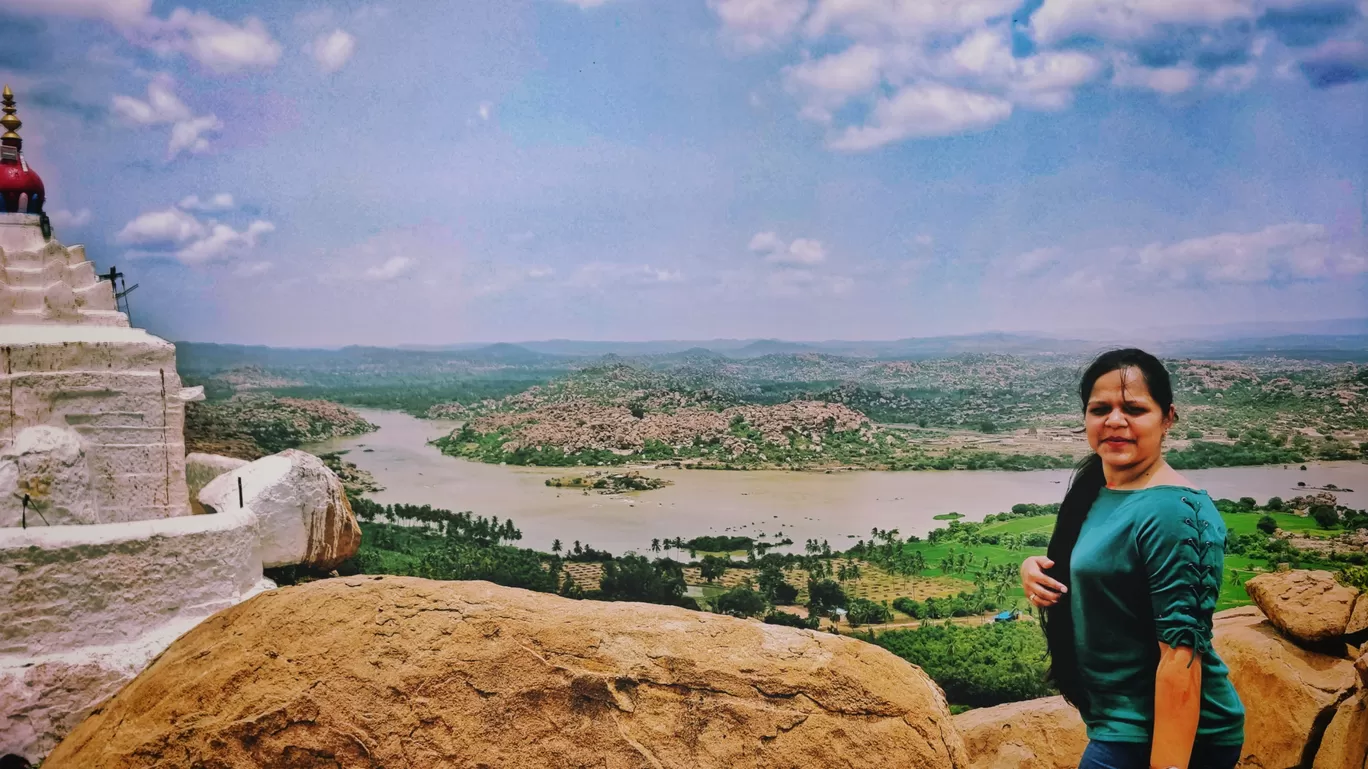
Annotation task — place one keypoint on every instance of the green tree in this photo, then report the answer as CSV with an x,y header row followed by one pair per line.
x,y
825,595
633,578
1267,524
862,611
740,601
1275,503
1325,516
713,567
774,587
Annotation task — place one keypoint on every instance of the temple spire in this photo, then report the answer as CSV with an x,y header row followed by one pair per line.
x,y
10,121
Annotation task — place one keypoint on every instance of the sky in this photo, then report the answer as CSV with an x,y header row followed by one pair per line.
x,y
331,173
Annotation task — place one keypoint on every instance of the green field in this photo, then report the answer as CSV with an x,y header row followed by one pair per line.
x,y
1232,593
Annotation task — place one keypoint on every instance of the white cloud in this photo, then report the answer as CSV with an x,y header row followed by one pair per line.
x,y
62,218
1233,79
177,233
1294,250
117,11
752,25
924,110
163,107
484,110
829,82
924,240
188,135
332,50
1275,255
610,274
162,104
1034,262
586,4
1043,81
220,202
503,278
903,19
392,268
765,242
1132,20
223,241
171,227
801,251
219,45
253,269
1166,80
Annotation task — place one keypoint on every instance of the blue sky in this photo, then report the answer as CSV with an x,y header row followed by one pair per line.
x,y
295,173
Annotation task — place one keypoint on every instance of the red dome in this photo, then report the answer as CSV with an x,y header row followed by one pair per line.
x,y
16,178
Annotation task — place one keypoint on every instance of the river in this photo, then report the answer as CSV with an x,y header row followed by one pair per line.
x,y
839,507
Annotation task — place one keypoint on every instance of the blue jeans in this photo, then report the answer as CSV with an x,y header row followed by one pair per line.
x,y
1136,755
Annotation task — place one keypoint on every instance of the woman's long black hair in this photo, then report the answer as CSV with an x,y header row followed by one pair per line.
x,y
1086,484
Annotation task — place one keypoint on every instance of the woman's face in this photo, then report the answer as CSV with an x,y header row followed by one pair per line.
x,y
1125,426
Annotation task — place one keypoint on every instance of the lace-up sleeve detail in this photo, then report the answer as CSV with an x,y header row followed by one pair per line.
x,y
1182,548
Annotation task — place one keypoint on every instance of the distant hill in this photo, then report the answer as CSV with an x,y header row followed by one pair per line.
x,y
561,353
774,347
508,354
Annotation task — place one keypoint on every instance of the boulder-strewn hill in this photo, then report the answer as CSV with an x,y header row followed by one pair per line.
x,y
252,426
402,672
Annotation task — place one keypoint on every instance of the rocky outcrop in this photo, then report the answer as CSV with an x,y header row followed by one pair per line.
x,y
303,508
403,672
1345,744
1036,734
1308,606
1290,694
48,466
200,469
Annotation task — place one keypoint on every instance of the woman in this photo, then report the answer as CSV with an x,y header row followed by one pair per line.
x,y
1128,586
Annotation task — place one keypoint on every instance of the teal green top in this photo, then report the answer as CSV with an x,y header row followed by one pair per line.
x,y
1147,568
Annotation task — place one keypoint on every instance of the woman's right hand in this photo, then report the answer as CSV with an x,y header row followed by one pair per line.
x,y
1041,589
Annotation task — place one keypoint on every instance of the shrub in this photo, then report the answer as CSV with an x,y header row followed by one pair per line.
x,y
789,620
979,665
908,606
740,601
1267,524
824,595
1325,516
1353,576
1275,503
862,611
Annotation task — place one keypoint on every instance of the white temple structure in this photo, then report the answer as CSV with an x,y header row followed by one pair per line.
x,y
102,564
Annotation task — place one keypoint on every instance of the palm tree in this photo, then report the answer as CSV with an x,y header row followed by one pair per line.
x,y
556,546
655,546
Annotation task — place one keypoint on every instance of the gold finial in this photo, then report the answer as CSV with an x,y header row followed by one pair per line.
x,y
9,121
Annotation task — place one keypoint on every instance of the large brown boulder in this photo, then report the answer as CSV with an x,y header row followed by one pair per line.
x,y
1290,694
1345,744
302,505
1358,618
1036,734
404,672
1308,606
